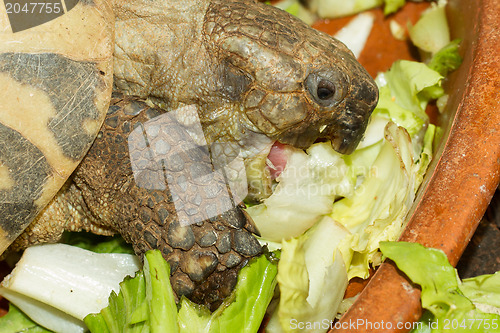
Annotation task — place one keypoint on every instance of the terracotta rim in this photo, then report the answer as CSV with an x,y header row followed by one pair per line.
x,y
466,171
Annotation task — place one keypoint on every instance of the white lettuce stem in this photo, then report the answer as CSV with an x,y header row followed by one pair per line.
x,y
72,281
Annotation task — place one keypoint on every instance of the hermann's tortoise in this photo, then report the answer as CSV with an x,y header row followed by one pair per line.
x,y
243,73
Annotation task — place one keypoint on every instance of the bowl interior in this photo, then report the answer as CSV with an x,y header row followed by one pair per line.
x,y
464,172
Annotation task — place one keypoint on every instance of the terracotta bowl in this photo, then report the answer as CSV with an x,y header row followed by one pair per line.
x,y
466,168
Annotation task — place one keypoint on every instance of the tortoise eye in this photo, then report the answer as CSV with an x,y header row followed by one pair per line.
x,y
326,90
327,87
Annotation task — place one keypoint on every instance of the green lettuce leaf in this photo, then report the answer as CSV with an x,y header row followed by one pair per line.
x,y
146,302
441,294
16,321
127,311
97,243
431,32
339,8
377,209
306,190
483,291
243,311
447,59
405,91
296,8
392,6
311,266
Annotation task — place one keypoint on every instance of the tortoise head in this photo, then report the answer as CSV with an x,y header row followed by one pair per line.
x,y
293,83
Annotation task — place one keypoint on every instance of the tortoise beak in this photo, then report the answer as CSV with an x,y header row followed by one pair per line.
x,y
348,129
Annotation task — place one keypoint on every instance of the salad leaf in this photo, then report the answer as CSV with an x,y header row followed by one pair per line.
x,y
127,310
483,291
339,8
244,310
355,33
97,243
441,294
447,59
16,321
159,294
376,210
146,302
404,92
392,6
431,32
296,8
426,154
57,285
311,266
305,192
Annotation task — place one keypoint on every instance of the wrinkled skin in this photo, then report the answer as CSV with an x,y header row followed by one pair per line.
x,y
252,70
254,75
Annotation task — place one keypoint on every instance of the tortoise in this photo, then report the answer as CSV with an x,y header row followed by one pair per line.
x,y
81,101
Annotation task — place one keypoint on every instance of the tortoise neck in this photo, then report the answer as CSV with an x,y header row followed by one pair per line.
x,y
159,50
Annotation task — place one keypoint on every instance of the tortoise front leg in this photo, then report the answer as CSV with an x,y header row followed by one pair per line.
x,y
147,177
204,257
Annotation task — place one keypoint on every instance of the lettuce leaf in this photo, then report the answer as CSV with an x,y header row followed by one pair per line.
x,y
483,291
146,302
306,190
339,8
310,267
431,32
97,243
127,311
405,91
296,8
447,59
16,321
377,209
57,285
442,292
392,6
243,311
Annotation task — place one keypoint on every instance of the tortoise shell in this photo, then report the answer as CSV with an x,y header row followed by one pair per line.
x,y
56,81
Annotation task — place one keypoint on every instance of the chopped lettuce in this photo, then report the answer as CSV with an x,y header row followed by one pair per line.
x,y
296,8
339,8
405,91
450,301
305,192
377,209
447,59
127,311
355,34
392,6
244,310
57,285
310,267
483,291
97,243
16,321
146,302
431,33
